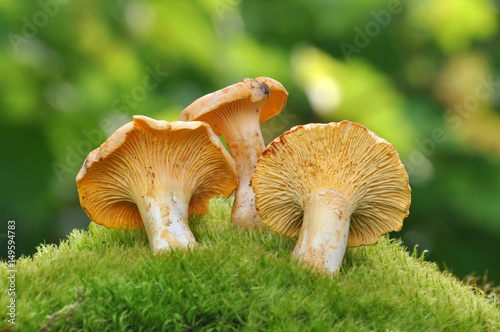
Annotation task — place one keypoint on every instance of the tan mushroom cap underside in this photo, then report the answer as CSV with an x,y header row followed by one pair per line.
x,y
344,156
261,89
148,155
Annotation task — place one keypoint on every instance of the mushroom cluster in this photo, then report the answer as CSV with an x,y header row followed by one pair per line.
x,y
332,186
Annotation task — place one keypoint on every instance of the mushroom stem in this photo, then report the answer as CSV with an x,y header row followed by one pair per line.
x,y
246,147
165,216
325,229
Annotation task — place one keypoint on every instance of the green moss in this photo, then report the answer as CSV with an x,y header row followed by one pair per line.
x,y
108,280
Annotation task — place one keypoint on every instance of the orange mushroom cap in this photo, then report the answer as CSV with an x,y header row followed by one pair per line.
x,y
145,156
261,89
343,156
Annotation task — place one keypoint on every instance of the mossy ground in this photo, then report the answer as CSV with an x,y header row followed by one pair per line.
x,y
108,280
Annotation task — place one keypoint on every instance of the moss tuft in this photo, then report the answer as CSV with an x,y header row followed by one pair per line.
x,y
108,280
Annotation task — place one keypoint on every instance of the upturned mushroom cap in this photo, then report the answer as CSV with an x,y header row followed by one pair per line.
x,y
343,156
147,156
212,107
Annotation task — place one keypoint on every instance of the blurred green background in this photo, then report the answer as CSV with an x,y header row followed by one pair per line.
x,y
423,74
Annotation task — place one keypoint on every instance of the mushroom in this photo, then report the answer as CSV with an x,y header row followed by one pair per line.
x,y
154,174
331,185
235,113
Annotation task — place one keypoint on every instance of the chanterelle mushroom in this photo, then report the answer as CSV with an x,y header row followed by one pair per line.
x,y
155,173
331,185
235,113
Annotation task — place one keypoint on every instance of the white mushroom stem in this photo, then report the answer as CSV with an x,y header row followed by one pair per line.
x,y
165,217
246,145
325,228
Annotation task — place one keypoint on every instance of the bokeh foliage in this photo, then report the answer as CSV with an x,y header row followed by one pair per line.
x,y
422,74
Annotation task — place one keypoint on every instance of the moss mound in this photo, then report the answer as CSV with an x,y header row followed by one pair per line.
x,y
108,280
